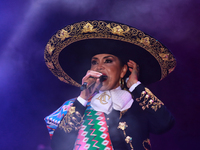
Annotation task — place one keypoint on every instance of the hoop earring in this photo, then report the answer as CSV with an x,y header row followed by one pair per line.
x,y
121,83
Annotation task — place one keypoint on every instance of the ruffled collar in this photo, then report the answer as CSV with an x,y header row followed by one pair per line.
x,y
106,101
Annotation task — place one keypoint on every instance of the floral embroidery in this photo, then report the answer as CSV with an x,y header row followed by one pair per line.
x,y
118,30
128,139
72,120
88,28
150,100
164,56
146,144
145,41
63,34
50,48
50,65
122,125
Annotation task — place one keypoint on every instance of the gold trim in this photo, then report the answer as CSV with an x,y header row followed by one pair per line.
x,y
72,120
128,139
122,113
122,126
101,29
148,142
149,100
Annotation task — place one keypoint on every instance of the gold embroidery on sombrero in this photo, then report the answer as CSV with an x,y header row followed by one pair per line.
x,y
72,120
145,41
101,29
63,79
118,30
149,100
50,48
165,56
50,65
63,34
88,28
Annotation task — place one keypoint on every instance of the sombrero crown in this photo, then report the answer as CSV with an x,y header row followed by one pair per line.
x,y
68,52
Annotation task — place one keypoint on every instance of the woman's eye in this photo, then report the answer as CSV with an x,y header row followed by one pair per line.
x,y
93,62
108,61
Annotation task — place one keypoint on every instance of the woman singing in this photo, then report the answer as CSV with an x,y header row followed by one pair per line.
x,y
114,110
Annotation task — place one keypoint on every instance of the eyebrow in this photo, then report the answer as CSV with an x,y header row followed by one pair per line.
x,y
104,57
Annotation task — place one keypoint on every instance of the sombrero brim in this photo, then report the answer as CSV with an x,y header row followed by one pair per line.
x,y
68,53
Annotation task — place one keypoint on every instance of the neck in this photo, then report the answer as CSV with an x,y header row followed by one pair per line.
x,y
118,88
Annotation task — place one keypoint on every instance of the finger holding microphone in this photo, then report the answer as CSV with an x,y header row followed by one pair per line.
x,y
90,82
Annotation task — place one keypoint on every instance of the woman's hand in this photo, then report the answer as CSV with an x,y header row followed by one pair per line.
x,y
85,94
133,78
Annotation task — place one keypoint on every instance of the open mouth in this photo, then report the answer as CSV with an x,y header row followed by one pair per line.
x,y
103,78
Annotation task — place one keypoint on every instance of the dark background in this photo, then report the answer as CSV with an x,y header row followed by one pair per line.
x,y
29,91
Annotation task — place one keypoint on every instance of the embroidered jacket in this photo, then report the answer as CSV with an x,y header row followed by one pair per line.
x,y
129,130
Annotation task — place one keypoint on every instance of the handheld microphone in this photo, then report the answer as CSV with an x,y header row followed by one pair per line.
x,y
91,81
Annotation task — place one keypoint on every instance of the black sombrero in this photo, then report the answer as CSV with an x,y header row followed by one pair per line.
x,y
69,51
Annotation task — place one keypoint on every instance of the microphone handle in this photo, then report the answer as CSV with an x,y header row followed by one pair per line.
x,y
92,80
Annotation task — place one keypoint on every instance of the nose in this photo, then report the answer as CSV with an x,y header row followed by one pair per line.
x,y
100,67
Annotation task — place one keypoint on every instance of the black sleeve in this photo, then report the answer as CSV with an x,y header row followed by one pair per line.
x,y
66,133
159,118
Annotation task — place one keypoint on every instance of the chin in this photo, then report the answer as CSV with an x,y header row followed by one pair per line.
x,y
106,86
103,88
